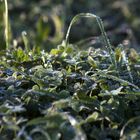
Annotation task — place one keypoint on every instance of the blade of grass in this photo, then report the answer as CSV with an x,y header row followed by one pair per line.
x,y
127,123
123,82
6,23
26,42
125,59
101,26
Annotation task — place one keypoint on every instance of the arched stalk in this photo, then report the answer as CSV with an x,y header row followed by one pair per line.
x,y
101,26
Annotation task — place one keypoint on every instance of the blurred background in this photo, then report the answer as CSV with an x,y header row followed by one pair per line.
x,y
46,21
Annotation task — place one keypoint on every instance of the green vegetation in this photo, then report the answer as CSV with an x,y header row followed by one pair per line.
x,y
67,92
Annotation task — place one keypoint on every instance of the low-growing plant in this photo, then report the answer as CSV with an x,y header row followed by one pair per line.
x,y
68,93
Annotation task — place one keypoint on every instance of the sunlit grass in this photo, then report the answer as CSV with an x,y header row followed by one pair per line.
x,y
67,93
101,26
6,23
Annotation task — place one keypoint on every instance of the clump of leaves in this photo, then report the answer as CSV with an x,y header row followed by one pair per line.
x,y
69,93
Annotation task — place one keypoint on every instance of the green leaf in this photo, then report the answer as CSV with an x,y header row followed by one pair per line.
x,y
92,62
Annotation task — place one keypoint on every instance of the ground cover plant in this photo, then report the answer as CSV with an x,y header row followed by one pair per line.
x,y
68,92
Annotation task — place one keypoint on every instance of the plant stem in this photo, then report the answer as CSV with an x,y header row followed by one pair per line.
x,y
6,24
101,26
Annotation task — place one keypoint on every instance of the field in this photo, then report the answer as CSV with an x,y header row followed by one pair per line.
x,y
69,70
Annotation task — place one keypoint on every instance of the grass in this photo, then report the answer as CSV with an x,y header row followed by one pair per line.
x,y
6,24
68,93
101,26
